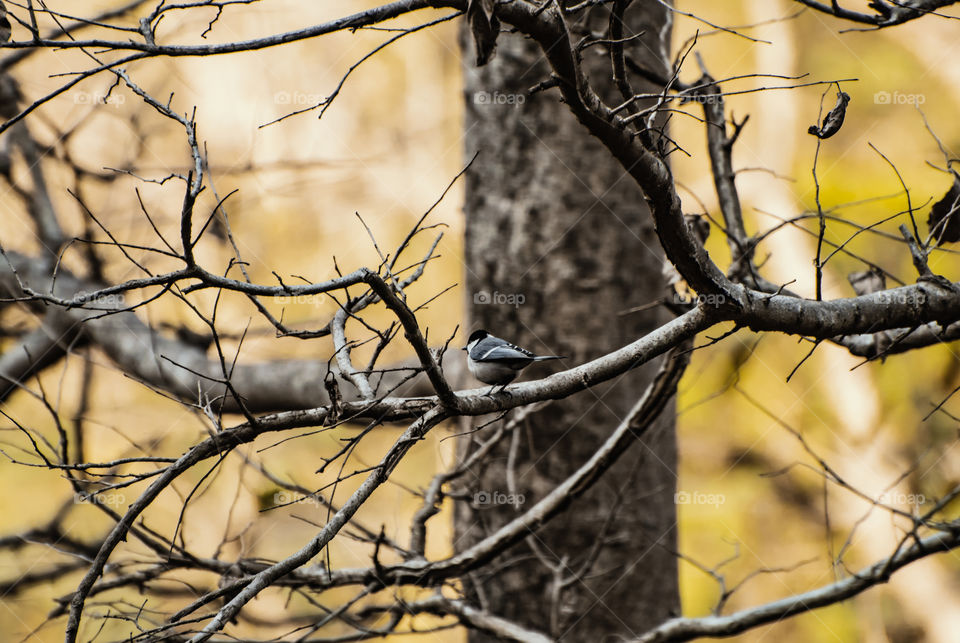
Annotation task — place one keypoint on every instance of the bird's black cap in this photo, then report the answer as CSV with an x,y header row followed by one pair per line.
x,y
477,334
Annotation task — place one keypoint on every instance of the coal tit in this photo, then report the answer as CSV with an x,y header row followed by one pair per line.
x,y
495,361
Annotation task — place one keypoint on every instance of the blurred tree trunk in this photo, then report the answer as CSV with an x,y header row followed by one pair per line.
x,y
559,242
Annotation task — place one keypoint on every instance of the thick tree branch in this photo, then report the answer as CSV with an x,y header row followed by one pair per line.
x,y
888,12
892,309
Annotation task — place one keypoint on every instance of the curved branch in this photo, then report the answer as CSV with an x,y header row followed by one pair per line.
x,y
633,426
686,629
651,173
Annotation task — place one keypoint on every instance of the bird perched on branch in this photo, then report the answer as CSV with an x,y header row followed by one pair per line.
x,y
834,118
497,362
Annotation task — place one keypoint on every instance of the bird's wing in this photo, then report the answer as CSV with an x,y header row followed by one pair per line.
x,y
492,350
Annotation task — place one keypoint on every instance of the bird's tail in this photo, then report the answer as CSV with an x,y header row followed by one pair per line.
x,y
542,358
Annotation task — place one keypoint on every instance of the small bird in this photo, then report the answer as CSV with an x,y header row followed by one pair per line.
x,y
497,362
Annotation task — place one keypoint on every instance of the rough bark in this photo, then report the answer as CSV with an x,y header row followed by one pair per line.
x,y
559,242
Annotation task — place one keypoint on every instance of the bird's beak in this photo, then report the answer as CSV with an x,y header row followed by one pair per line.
x,y
464,348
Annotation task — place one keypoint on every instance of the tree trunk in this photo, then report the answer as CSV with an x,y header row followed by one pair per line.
x,y
559,243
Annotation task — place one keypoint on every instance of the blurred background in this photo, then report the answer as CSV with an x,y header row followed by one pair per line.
x,y
752,502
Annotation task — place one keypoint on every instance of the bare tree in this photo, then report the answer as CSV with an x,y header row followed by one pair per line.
x,y
91,289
